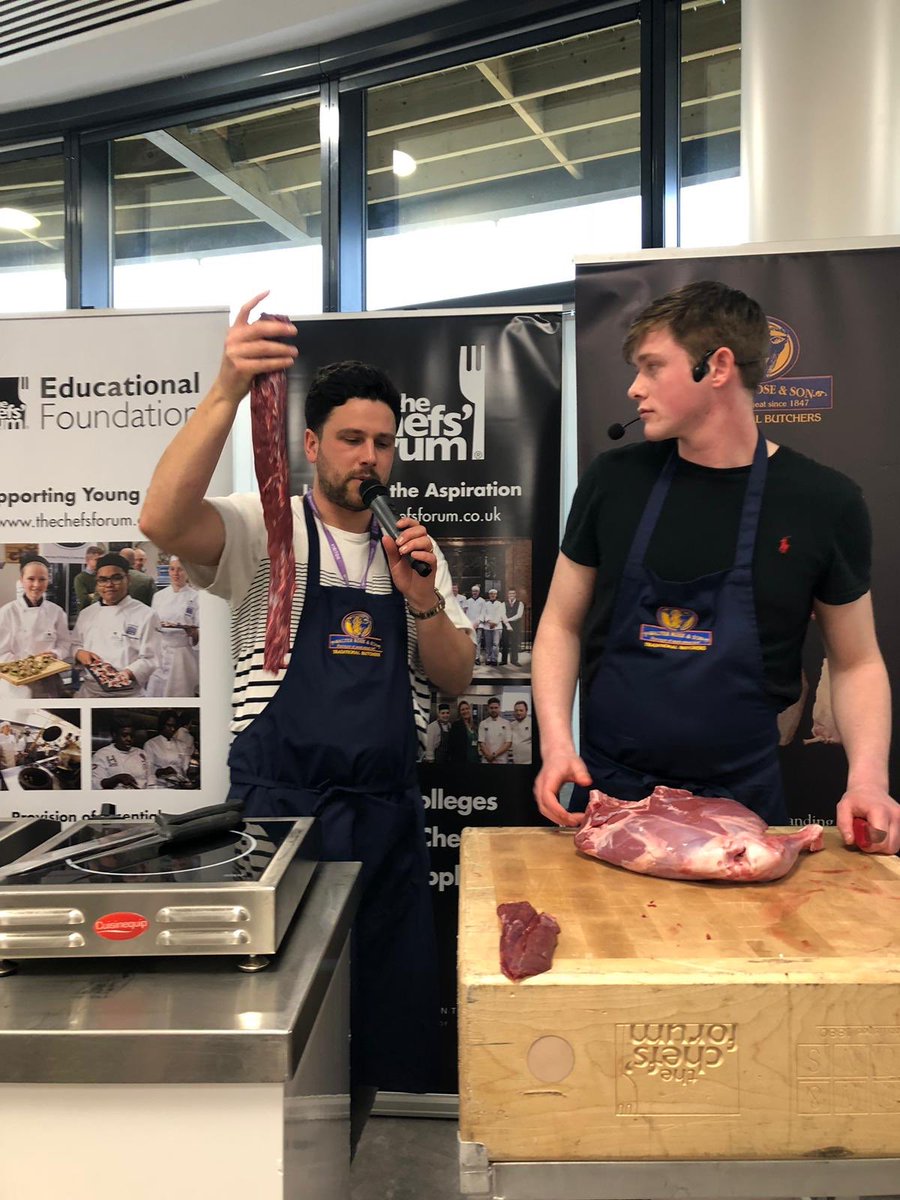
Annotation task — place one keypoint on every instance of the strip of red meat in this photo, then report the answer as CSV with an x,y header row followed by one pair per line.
x,y
268,403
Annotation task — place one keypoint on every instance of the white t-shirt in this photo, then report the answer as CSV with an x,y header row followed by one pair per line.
x,y
242,578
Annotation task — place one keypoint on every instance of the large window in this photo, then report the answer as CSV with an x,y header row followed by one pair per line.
x,y
713,202
32,232
494,175
214,211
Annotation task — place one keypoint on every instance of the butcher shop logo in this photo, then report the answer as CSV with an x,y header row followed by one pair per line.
x,y
675,629
784,348
12,407
440,433
355,636
785,398
677,1053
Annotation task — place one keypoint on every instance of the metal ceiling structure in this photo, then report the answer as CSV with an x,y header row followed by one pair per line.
x,y
524,131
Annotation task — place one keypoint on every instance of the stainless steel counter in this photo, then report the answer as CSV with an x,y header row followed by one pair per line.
x,y
177,1021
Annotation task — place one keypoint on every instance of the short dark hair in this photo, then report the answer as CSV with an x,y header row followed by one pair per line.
x,y
704,315
339,382
443,708
27,559
114,560
493,699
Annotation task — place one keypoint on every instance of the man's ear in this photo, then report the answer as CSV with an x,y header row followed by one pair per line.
x,y
310,446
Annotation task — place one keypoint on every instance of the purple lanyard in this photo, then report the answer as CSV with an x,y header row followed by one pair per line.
x,y
374,541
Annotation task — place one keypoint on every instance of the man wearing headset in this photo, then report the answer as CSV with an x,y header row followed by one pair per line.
x,y
689,568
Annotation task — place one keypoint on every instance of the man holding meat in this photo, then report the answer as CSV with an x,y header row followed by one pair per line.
x,y
689,568
334,735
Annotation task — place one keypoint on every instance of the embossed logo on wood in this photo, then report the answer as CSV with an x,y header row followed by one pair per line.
x,y
678,1068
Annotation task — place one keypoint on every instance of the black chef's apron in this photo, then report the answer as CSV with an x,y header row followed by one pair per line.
x,y
679,697
337,742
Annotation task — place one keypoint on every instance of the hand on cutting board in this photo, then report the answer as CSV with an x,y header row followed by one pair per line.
x,y
557,769
869,818
252,348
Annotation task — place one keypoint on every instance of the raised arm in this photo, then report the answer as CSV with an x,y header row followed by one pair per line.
x,y
555,662
861,703
175,516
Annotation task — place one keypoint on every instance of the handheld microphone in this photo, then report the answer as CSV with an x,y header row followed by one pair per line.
x,y
616,430
375,496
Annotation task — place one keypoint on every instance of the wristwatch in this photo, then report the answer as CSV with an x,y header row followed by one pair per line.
x,y
429,612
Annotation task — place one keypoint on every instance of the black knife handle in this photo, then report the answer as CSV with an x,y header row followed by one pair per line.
x,y
217,818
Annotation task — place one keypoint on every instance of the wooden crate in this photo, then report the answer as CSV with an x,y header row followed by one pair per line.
x,y
681,1020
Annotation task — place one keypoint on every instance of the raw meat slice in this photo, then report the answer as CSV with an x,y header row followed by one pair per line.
x,y
677,835
527,940
268,401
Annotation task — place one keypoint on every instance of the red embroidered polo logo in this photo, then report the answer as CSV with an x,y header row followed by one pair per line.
x,y
784,545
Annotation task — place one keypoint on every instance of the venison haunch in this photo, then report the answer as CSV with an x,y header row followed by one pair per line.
x,y
677,835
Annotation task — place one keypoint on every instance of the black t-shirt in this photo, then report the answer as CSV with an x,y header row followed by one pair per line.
x,y
813,542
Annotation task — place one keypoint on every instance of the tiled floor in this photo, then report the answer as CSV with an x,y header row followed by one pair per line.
x,y
411,1158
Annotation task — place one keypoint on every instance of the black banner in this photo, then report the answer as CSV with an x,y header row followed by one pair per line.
x,y
478,462
829,393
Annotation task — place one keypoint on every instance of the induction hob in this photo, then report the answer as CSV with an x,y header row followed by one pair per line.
x,y
233,892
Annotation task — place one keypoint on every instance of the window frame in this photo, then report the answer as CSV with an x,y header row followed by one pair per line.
x,y
342,72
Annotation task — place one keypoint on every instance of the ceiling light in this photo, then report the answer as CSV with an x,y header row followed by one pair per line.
x,y
15,218
403,164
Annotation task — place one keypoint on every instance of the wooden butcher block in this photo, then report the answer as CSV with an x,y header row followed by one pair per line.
x,y
681,1020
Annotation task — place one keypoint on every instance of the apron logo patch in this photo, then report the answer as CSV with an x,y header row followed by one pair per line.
x,y
676,630
355,637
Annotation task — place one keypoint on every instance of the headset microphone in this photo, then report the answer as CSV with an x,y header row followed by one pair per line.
x,y
700,369
616,430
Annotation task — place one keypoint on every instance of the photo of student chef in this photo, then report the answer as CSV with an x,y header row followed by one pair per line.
x,y
120,631
333,736
32,624
707,534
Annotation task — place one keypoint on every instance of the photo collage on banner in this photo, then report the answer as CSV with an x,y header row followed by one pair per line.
x,y
828,393
477,462
106,695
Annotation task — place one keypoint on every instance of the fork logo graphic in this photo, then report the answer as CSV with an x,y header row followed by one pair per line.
x,y
12,407
430,432
471,384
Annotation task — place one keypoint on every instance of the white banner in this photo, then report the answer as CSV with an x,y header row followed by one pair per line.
x,y
88,403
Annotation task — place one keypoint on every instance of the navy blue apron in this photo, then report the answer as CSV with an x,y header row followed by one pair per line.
x,y
679,697
338,742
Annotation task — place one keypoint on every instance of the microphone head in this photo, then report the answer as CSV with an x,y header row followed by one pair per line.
x,y
615,431
370,489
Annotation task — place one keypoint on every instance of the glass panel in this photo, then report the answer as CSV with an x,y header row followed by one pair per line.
x,y
713,202
514,165
215,211
32,235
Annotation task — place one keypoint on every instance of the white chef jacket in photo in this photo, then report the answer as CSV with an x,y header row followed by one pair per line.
x,y
494,733
10,745
109,761
161,751
26,630
126,635
521,740
178,673
494,611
